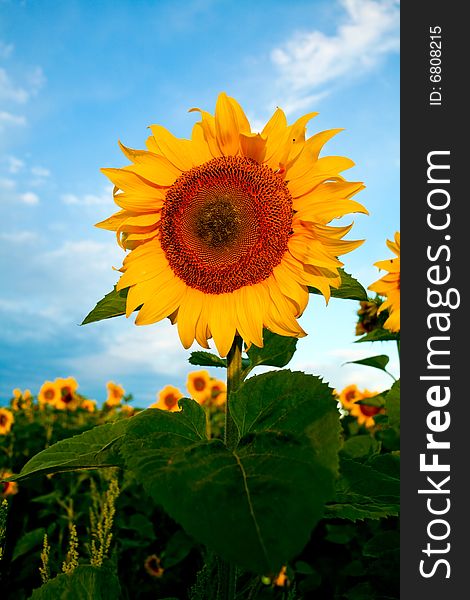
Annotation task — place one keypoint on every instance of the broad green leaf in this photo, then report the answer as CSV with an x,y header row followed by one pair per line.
x,y
233,501
379,335
112,305
290,402
378,362
28,541
350,288
84,583
367,490
277,350
381,544
206,359
90,450
360,446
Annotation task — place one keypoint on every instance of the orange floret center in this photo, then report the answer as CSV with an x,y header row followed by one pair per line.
x,y
226,224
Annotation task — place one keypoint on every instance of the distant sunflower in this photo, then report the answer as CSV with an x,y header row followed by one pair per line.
x,y
115,394
198,385
167,398
6,421
7,488
217,392
89,405
48,394
349,395
389,285
153,566
67,399
227,229
365,413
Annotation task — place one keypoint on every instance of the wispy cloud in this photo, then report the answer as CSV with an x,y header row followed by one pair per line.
x,y
8,118
103,198
28,198
312,63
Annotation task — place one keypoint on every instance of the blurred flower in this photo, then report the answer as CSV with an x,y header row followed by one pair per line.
x,y
127,410
168,398
228,229
349,395
21,400
6,421
282,580
364,413
115,394
152,566
368,320
389,285
7,488
198,385
49,393
89,405
217,392
67,399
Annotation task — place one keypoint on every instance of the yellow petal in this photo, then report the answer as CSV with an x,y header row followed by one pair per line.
x,y
222,322
253,145
174,149
249,324
188,316
162,303
226,126
207,125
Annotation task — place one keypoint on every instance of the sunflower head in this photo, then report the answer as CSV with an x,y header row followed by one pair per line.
x,y
48,394
66,398
198,385
153,566
389,285
6,421
228,229
365,413
88,405
7,488
167,398
115,394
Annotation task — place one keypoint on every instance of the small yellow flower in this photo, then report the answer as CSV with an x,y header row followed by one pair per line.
x,y
198,386
7,488
364,413
6,420
21,400
115,394
127,410
89,405
152,566
217,392
48,394
282,580
389,286
168,398
67,399
349,395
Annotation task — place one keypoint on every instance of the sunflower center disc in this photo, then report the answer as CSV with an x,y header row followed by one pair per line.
x,y
226,224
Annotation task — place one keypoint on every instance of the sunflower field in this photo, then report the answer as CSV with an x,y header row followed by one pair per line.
x,y
248,486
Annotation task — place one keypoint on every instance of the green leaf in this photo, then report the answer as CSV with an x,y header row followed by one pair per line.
x,y
367,490
206,359
28,541
233,501
350,288
90,450
360,446
112,305
378,335
85,582
290,402
392,405
378,362
381,544
277,350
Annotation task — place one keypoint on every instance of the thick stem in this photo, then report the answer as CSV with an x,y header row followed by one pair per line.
x,y
227,571
234,372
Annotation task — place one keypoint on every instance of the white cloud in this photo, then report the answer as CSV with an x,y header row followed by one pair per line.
x,y
14,164
40,172
103,198
29,198
18,237
7,118
9,91
7,184
311,61
5,49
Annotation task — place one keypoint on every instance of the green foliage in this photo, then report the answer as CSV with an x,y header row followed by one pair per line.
x,y
277,351
29,541
379,335
282,470
206,359
350,288
112,305
378,362
90,450
85,582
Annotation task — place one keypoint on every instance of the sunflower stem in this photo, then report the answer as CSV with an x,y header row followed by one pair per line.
x,y
227,571
234,378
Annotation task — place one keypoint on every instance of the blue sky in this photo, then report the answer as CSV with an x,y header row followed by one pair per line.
x,y
76,76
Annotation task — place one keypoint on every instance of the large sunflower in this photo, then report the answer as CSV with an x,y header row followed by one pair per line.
x,y
389,285
227,229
